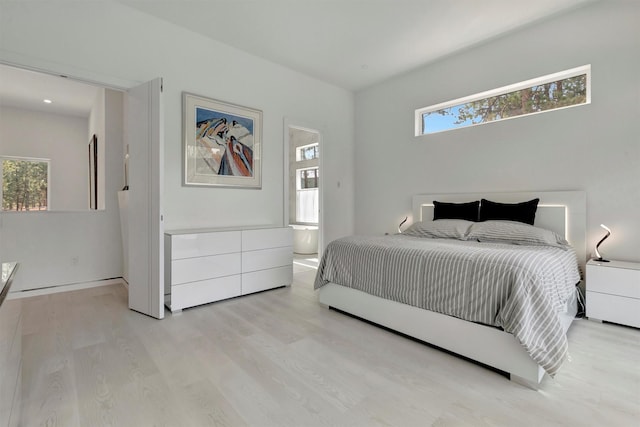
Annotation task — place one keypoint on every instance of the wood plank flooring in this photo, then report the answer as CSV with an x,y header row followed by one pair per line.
x,y
278,358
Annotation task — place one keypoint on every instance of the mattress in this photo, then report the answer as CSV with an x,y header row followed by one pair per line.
x,y
519,288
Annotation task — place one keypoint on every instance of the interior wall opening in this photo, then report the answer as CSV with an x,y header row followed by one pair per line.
x,y
62,120
304,191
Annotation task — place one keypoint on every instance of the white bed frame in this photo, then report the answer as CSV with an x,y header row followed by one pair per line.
x,y
561,211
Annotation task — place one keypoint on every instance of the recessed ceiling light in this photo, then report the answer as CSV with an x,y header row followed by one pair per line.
x,y
47,101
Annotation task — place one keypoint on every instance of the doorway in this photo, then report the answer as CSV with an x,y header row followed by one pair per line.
x,y
86,115
303,193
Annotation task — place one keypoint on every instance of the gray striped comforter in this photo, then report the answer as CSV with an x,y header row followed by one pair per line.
x,y
518,288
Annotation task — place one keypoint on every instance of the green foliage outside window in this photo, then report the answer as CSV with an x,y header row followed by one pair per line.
x,y
533,99
558,94
24,185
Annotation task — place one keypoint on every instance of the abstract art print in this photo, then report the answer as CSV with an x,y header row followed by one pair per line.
x,y
222,143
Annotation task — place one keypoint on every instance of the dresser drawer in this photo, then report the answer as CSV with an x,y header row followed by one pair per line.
x,y
266,258
611,308
208,267
205,291
266,279
614,281
204,244
266,238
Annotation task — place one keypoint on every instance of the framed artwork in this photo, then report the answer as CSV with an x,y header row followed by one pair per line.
x,y
222,143
93,172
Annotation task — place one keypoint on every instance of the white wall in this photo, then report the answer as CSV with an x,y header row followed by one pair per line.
x,y
60,138
594,148
58,248
108,42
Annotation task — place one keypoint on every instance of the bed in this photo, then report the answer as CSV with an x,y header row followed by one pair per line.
x,y
478,338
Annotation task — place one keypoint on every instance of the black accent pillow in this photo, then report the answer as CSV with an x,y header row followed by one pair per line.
x,y
521,212
467,211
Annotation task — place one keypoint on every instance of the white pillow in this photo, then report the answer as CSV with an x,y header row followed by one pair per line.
x,y
440,229
517,233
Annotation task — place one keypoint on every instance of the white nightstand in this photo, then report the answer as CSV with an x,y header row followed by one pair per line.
x,y
613,292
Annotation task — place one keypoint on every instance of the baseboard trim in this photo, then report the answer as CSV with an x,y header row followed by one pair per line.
x,y
65,288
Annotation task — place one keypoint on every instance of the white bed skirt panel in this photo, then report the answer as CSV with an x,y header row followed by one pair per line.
x,y
487,345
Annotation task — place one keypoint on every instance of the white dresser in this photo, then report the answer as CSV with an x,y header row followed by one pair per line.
x,y
613,292
206,265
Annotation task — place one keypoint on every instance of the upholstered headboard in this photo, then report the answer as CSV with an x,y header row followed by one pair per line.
x,y
561,211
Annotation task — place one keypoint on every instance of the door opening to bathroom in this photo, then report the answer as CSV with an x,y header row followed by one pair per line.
x,y
304,190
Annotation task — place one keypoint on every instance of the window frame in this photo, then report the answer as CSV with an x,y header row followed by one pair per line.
x,y
299,172
28,159
315,190
302,147
549,78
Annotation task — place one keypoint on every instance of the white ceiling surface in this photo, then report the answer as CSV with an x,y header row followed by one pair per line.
x,y
352,43
27,89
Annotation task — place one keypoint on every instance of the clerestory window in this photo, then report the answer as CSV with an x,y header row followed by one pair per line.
x,y
565,89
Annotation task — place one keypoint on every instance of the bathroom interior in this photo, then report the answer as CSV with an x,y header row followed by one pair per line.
x,y
304,169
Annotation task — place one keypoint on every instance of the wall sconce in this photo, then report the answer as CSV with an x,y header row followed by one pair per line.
x,y
600,259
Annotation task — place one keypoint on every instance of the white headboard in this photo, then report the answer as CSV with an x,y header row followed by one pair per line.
x,y
561,211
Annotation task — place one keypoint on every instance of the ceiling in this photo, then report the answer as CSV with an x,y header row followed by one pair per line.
x,y
27,89
349,43
352,43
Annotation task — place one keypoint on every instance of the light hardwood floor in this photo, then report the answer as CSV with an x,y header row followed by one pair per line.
x,y
280,359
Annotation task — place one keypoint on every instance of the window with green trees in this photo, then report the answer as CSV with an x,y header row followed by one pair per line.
x,y
25,184
555,91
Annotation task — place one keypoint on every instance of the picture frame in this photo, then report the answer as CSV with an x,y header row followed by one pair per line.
x,y
222,143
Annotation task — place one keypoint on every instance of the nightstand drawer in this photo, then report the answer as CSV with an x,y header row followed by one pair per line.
x,y
613,281
613,308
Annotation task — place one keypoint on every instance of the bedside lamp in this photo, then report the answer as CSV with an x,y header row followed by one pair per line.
x,y
400,225
600,259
